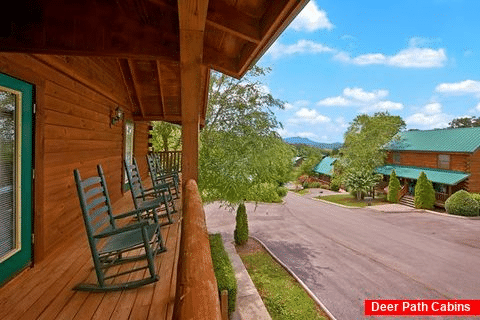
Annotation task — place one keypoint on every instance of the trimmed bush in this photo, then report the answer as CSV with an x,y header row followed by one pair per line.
x,y
424,193
240,234
223,269
282,191
476,196
462,203
393,188
335,183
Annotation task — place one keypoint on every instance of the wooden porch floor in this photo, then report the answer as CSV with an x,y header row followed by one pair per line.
x,y
45,291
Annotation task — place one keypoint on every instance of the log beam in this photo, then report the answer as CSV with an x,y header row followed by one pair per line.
x,y
192,16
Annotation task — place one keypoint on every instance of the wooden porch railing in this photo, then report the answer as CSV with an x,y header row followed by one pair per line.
x,y
197,294
402,192
170,160
441,197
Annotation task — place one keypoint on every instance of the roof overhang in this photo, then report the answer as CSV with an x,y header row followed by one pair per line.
x,y
447,177
144,37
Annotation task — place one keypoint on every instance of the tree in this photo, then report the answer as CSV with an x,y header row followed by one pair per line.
x,y
424,193
360,182
363,151
240,234
239,148
393,187
166,136
465,122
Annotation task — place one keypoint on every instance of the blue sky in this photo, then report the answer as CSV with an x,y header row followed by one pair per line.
x,y
417,59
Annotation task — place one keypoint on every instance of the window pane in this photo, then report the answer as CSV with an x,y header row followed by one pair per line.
x,y
7,172
444,161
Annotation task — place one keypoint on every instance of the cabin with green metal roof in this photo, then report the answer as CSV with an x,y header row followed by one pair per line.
x,y
449,157
325,168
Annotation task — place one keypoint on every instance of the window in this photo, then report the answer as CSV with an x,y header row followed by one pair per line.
x,y
396,157
128,151
444,161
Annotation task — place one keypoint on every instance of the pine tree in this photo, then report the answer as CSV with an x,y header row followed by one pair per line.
x,y
240,234
393,188
424,193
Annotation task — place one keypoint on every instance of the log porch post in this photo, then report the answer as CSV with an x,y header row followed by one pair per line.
x,y
192,16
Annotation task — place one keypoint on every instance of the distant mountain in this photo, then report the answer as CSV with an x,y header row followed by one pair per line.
x,y
308,142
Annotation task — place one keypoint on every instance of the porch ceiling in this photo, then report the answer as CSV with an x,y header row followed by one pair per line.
x,y
143,35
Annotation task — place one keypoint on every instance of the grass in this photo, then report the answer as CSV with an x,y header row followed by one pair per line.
x,y
301,192
283,297
347,199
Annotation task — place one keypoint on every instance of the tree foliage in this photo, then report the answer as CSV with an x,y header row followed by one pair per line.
x,y
239,148
393,188
166,136
424,193
465,122
363,151
360,182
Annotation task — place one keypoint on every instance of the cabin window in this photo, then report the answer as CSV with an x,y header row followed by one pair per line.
x,y
128,147
396,157
444,161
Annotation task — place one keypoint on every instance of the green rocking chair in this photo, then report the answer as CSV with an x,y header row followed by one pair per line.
x,y
110,243
157,196
159,176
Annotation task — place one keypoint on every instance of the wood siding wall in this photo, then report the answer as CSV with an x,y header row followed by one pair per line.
x,y
74,96
464,162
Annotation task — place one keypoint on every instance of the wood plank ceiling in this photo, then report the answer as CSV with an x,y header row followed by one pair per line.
x,y
143,35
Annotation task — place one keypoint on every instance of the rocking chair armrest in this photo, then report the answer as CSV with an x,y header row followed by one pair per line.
x,y
134,212
133,226
155,191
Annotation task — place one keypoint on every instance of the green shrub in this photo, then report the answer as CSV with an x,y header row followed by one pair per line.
x,y
240,234
314,185
335,183
462,203
475,196
424,193
282,191
393,188
223,269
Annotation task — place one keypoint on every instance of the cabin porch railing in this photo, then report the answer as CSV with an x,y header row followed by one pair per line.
x,y
197,293
441,197
170,160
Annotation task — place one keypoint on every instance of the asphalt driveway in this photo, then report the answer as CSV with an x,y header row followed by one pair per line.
x,y
347,255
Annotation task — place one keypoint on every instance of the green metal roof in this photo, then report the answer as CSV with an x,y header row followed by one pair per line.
x,y
325,166
435,175
442,140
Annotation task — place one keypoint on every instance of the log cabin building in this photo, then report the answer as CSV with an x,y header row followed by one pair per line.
x,y
325,169
68,69
449,157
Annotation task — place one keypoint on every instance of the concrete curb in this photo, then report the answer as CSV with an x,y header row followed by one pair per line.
x,y
304,286
249,304
450,215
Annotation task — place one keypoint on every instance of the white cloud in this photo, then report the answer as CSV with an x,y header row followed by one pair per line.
x,y
368,101
297,104
283,132
310,116
335,101
463,87
406,58
311,18
382,106
278,50
433,108
429,117
478,107
362,95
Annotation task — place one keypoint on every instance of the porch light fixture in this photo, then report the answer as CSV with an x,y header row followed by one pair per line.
x,y
117,115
